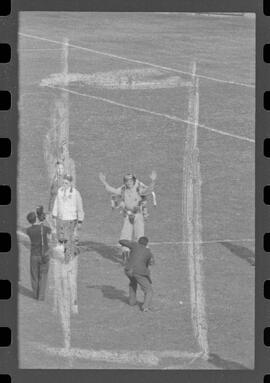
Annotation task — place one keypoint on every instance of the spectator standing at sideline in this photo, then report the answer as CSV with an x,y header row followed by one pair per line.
x,y
39,255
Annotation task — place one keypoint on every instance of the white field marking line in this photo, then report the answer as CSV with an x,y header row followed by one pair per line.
x,y
169,13
38,49
22,234
146,357
64,275
224,15
138,61
19,232
202,242
63,294
128,79
187,363
173,118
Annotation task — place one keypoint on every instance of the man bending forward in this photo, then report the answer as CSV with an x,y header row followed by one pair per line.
x,y
137,270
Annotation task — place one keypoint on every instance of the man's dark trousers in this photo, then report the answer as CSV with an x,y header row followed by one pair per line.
x,y
39,275
146,285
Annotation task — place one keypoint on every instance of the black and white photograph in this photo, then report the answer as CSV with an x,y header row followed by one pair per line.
x,y
136,190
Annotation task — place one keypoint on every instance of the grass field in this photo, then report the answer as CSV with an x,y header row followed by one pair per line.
x,y
120,128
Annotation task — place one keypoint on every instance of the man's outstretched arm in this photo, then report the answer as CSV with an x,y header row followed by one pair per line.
x,y
146,190
109,188
126,243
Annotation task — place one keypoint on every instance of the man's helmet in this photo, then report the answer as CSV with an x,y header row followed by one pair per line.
x,y
31,217
128,177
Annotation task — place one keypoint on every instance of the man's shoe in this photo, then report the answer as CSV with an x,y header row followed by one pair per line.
x,y
152,309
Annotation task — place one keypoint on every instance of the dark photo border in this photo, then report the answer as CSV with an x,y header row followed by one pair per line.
x,y
8,173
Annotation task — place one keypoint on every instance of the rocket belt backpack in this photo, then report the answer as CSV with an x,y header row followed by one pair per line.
x,y
117,203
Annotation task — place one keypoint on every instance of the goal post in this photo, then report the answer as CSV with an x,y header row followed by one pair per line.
x,y
63,143
56,145
192,225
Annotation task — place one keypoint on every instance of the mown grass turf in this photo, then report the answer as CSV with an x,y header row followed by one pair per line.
x,y
116,140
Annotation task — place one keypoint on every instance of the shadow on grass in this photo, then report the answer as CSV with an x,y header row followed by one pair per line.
x,y
225,364
111,292
108,252
25,291
241,252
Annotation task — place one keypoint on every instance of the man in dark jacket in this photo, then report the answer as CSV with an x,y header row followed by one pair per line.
x,y
39,262
137,270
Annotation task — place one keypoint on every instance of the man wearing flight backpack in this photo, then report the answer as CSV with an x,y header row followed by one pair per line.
x,y
131,198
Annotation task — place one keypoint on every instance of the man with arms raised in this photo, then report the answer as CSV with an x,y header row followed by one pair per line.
x,y
132,195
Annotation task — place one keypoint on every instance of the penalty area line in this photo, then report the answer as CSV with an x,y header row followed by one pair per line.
x,y
138,61
144,357
22,234
203,242
38,49
173,118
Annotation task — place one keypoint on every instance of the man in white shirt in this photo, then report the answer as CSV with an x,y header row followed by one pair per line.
x,y
68,216
68,211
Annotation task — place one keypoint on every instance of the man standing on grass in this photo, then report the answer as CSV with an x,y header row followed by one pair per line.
x,y
132,195
39,258
68,216
67,213
137,270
